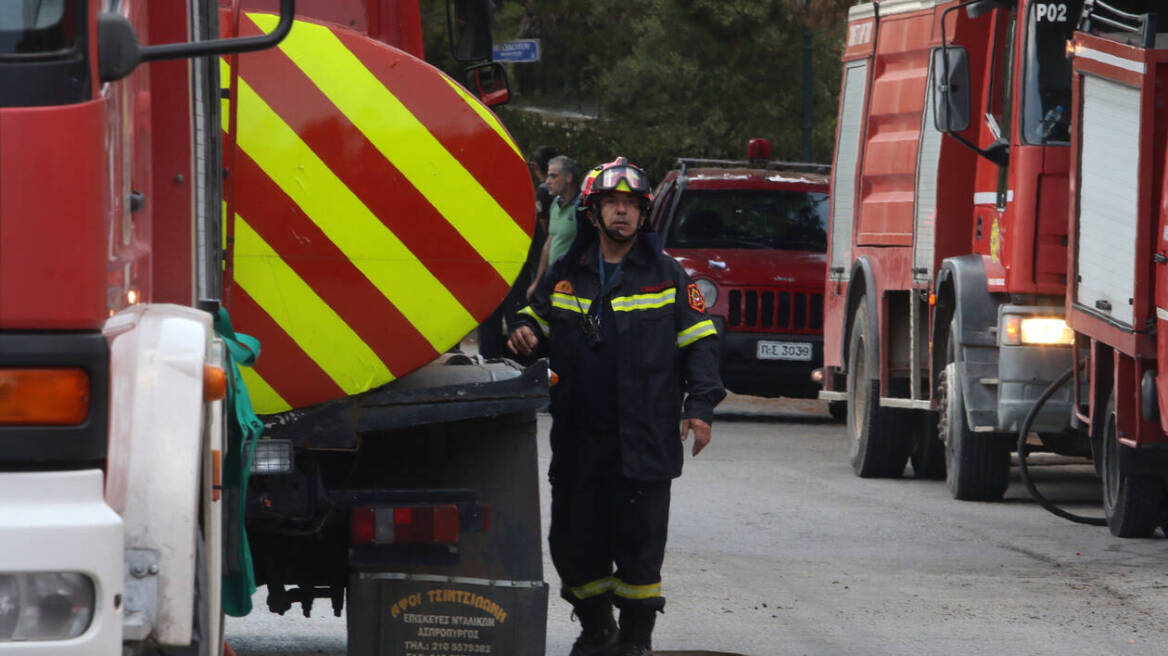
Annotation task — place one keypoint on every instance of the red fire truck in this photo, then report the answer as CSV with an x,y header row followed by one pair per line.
x,y
357,211
1118,248
947,261
111,418
1025,240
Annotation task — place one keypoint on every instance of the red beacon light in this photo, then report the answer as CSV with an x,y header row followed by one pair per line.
x,y
758,151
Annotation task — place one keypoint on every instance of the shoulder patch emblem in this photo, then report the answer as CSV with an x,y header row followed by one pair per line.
x,y
565,287
696,300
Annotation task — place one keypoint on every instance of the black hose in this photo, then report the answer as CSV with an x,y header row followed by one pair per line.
x,y
1022,451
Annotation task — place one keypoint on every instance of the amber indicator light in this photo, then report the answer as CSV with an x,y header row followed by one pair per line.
x,y
44,396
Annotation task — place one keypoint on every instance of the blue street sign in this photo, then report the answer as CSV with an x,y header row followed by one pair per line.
x,y
519,50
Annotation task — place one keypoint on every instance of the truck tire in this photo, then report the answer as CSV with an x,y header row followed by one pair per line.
x,y
877,440
928,452
977,466
1131,503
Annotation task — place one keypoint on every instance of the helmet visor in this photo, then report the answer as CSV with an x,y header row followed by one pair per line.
x,y
621,178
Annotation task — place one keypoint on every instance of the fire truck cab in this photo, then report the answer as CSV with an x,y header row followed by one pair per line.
x,y
114,376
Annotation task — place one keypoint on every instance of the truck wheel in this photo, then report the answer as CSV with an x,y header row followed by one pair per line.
x,y
1130,503
838,410
977,466
928,452
878,444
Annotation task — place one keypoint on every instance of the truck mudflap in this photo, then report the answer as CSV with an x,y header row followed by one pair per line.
x,y
58,524
398,614
1001,385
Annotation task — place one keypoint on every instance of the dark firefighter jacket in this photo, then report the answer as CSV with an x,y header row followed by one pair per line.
x,y
667,349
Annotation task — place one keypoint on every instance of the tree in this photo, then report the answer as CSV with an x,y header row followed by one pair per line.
x,y
670,78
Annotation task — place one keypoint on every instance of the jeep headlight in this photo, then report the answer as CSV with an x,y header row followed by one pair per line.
x,y
709,291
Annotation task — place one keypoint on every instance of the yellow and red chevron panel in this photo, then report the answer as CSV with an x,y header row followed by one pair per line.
x,y
375,212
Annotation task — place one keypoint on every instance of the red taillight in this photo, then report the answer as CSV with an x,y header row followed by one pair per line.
x,y
364,525
406,525
425,525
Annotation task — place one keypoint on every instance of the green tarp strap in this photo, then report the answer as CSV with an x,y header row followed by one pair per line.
x,y
243,429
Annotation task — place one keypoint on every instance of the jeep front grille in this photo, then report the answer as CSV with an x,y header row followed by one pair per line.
x,y
767,310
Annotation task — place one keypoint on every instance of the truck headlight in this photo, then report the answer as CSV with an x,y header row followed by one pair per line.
x,y
1018,330
709,291
38,606
272,457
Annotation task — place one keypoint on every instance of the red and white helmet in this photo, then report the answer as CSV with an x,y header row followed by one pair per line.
x,y
614,176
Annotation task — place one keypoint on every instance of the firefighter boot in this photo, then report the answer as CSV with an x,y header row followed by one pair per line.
x,y
636,630
598,633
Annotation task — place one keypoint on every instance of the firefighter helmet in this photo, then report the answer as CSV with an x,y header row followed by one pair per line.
x,y
614,176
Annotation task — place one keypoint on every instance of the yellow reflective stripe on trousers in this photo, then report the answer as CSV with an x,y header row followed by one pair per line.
x,y
644,301
543,325
406,143
305,316
695,332
630,591
571,303
372,248
593,588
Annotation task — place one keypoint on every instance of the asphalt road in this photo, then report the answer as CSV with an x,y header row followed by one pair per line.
x,y
776,548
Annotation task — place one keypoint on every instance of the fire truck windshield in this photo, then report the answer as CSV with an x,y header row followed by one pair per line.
x,y
734,218
37,28
1046,92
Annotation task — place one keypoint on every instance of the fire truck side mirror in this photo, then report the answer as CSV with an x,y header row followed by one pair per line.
x,y
468,24
951,97
119,52
489,82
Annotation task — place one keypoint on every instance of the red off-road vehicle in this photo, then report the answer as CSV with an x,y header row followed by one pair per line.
x,y
752,234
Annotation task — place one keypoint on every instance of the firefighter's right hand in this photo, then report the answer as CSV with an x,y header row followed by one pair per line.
x,y
522,341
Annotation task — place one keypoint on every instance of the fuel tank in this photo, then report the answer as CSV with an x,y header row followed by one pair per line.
x,y
375,211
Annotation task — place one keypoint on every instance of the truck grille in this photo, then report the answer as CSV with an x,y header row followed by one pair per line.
x,y
767,310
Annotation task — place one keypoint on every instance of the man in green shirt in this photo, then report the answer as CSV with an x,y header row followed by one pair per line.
x,y
563,180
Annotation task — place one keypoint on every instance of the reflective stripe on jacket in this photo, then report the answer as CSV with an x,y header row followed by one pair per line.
x,y
668,354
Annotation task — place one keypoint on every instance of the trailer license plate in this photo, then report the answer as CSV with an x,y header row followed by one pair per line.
x,y
783,350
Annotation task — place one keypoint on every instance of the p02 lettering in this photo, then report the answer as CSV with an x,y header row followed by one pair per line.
x,y
1053,12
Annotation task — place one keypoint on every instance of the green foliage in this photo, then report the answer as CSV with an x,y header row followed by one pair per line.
x,y
667,78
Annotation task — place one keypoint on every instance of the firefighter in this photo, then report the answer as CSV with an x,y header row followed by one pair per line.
x,y
636,355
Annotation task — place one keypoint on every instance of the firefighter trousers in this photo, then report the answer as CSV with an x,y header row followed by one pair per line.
x,y
608,536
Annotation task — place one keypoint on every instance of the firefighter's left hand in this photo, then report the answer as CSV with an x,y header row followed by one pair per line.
x,y
701,431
